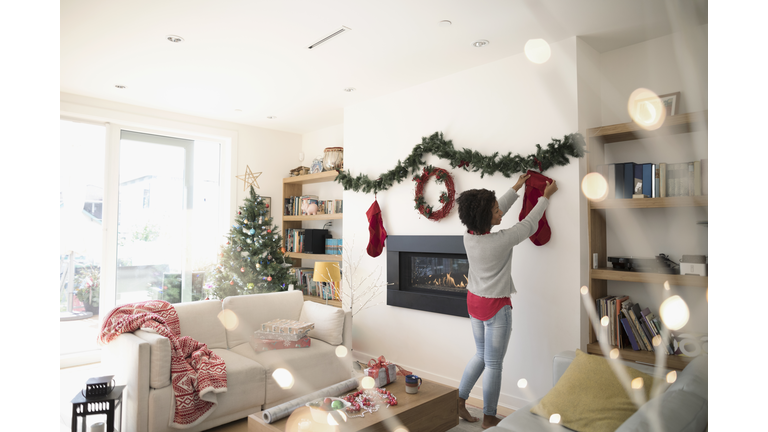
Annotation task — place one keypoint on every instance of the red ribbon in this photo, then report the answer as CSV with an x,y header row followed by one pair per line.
x,y
463,164
374,365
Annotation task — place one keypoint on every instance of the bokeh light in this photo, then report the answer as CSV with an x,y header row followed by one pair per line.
x,y
522,383
614,354
656,341
584,290
637,383
604,321
674,312
646,109
332,421
283,377
401,429
368,383
537,50
672,377
554,418
228,319
594,186
341,351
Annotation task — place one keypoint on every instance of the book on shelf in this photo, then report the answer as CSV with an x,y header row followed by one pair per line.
x,y
637,185
618,180
629,179
617,313
648,177
630,334
663,179
639,335
643,326
655,180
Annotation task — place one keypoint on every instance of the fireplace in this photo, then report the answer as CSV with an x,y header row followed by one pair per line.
x,y
428,273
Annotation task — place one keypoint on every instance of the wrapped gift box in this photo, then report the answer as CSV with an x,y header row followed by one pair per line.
x,y
386,375
287,326
260,345
258,334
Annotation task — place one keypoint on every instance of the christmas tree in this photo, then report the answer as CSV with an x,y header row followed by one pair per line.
x,y
252,260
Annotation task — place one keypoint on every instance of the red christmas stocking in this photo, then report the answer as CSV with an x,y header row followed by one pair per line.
x,y
534,188
376,229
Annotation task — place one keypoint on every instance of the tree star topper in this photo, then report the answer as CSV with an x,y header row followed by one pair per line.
x,y
249,178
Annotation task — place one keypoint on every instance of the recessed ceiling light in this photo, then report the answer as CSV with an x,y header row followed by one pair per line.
x,y
349,89
271,117
480,43
445,23
175,39
119,86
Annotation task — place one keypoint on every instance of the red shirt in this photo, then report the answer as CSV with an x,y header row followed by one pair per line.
x,y
484,308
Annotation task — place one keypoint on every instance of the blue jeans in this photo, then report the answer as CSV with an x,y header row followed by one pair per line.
x,y
491,340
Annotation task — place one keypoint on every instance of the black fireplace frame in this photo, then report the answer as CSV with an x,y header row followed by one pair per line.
x,y
448,303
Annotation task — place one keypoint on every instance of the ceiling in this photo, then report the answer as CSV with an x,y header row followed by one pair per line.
x,y
243,61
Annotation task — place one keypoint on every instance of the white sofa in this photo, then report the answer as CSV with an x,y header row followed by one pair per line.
x,y
683,407
141,360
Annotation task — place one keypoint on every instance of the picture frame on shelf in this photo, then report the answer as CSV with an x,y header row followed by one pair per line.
x,y
670,101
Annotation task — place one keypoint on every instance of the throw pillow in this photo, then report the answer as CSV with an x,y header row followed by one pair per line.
x,y
589,396
328,320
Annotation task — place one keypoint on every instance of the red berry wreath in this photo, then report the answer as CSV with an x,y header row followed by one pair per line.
x,y
446,198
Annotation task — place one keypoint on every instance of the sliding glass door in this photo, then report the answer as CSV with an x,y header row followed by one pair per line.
x,y
140,219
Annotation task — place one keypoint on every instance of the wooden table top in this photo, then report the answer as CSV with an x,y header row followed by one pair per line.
x,y
435,404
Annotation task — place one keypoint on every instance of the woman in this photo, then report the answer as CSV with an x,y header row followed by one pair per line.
x,y
490,286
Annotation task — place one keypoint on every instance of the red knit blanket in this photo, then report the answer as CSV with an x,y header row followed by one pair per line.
x,y
197,374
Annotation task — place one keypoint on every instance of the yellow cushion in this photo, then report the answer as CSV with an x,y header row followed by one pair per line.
x,y
589,397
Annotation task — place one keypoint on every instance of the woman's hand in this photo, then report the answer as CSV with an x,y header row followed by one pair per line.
x,y
520,182
550,189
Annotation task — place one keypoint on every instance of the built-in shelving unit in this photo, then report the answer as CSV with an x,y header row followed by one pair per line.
x,y
293,186
597,138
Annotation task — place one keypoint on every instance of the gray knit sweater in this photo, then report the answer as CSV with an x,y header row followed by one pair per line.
x,y
490,255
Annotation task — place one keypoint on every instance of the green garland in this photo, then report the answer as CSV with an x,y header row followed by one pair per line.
x,y
556,153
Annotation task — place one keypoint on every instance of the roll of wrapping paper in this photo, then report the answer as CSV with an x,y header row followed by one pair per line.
x,y
284,410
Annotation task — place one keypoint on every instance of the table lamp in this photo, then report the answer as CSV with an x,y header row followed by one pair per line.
x,y
327,272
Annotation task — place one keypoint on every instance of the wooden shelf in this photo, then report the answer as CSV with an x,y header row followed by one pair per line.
x,y
653,278
319,217
682,123
293,186
334,303
676,362
322,177
666,202
597,139
317,257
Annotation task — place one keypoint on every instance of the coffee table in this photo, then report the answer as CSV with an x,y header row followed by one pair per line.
x,y
433,408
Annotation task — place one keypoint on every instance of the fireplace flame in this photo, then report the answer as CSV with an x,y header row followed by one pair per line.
x,y
449,281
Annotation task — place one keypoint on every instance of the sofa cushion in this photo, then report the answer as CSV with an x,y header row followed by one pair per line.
x,y
200,321
249,312
313,368
694,378
673,411
523,420
328,320
589,396
245,390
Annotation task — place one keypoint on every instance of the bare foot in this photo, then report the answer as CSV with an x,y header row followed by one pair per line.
x,y
464,412
490,421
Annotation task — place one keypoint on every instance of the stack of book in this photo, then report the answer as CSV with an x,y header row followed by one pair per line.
x,y
295,204
294,240
630,326
655,180
333,246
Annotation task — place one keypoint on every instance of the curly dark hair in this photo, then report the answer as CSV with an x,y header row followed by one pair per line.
x,y
476,209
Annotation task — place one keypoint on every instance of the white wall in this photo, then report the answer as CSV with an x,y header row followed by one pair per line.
x,y
506,106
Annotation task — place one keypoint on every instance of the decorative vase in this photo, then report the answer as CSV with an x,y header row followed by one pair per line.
x,y
333,158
